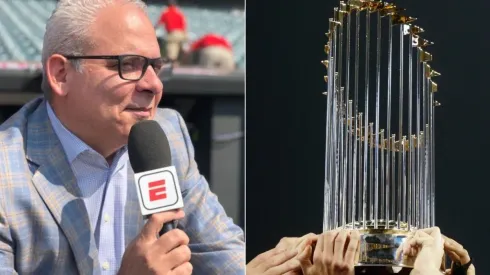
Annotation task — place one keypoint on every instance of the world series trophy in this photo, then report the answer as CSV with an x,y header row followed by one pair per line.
x,y
379,172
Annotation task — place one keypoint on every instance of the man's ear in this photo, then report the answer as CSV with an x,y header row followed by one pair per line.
x,y
56,71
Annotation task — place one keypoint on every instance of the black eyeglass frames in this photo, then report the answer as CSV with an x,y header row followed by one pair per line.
x,y
133,67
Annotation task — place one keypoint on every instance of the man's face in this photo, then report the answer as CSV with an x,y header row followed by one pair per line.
x,y
98,97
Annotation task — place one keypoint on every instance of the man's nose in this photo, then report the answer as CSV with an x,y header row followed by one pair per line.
x,y
150,82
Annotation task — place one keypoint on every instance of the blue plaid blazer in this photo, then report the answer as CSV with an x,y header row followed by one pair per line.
x,y
44,225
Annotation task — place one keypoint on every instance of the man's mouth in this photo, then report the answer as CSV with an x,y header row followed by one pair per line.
x,y
140,111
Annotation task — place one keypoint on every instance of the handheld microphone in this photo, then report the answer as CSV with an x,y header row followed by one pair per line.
x,y
155,178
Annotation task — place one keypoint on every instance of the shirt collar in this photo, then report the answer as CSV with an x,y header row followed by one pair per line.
x,y
72,145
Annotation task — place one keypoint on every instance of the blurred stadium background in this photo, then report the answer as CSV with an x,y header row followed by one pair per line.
x,y
211,101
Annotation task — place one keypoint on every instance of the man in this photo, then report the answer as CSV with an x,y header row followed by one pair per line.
x,y
68,202
212,51
175,24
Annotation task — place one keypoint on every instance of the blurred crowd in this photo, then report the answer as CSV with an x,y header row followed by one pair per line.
x,y
208,51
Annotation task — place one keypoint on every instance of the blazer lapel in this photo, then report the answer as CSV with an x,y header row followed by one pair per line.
x,y
56,184
133,220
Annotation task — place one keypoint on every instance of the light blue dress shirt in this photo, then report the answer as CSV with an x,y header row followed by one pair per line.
x,y
103,188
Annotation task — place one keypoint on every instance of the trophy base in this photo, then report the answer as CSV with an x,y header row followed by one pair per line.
x,y
382,270
380,242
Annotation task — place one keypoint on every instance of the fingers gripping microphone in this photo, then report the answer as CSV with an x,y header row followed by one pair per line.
x,y
155,177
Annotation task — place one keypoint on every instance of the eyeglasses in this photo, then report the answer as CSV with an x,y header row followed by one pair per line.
x,y
133,67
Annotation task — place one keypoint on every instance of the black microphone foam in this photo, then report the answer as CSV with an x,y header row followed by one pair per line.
x,y
148,147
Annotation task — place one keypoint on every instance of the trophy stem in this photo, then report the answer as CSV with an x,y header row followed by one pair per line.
x,y
405,179
342,164
371,185
410,115
335,157
366,123
357,119
430,155
400,131
389,152
333,143
342,160
327,222
428,148
361,190
419,151
411,196
376,131
350,122
433,173
404,176
424,161
422,180
393,150
349,140
426,180
345,148
382,179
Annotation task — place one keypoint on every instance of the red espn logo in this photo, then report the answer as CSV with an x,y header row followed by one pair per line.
x,y
157,190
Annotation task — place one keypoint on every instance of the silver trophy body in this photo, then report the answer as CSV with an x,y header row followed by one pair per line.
x,y
379,172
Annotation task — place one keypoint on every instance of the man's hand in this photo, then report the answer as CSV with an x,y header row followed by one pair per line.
x,y
300,244
149,254
276,261
281,259
427,246
297,243
457,253
335,254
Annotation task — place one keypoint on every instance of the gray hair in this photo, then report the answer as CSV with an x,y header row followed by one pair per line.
x,y
68,28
